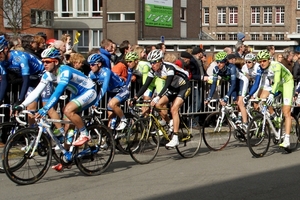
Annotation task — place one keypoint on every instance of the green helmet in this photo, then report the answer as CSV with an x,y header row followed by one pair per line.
x,y
221,56
263,55
131,56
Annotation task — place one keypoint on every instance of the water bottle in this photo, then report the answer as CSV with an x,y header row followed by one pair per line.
x,y
113,123
69,137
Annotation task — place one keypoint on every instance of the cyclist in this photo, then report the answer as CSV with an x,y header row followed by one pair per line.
x,y
281,80
176,89
118,90
82,88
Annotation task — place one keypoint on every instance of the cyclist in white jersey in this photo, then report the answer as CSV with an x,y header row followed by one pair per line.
x,y
64,77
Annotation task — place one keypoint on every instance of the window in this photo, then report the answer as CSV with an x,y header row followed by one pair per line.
x,y
255,15
232,36
67,8
97,38
83,41
41,18
82,8
298,25
267,36
279,15
121,17
279,36
298,4
97,8
267,15
183,14
221,15
206,15
221,37
233,15
254,36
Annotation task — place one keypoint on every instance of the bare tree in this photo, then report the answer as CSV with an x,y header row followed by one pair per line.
x,y
16,13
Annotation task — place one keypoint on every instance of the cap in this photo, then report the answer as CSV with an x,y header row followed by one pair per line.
x,y
197,50
230,56
185,54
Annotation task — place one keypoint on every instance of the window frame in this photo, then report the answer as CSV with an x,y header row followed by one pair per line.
x,y
206,16
255,15
122,16
41,20
221,15
233,15
279,15
267,15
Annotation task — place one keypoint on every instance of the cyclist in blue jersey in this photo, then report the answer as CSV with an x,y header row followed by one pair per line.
x,y
64,77
30,68
117,89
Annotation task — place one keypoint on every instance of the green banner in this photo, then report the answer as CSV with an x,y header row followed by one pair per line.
x,y
159,15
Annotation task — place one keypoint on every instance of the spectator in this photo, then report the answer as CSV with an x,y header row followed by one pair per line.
x,y
271,50
66,38
287,60
161,46
279,58
240,51
114,57
33,45
228,50
105,50
240,38
124,47
231,58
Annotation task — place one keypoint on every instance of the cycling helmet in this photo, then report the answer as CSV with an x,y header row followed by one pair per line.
x,y
3,43
51,53
250,56
221,56
95,58
131,56
155,55
263,55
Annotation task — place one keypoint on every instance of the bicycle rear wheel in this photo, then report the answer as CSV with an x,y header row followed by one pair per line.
x,y
19,165
258,136
143,144
190,138
216,133
94,157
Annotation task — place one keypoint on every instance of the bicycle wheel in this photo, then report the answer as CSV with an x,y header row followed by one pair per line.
x,y
190,138
258,136
6,129
121,136
94,157
21,165
143,144
216,134
294,133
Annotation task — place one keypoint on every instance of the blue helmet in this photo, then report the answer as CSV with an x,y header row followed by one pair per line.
x,y
3,43
51,53
95,58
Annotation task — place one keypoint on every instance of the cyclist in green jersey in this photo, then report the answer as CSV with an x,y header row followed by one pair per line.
x,y
281,80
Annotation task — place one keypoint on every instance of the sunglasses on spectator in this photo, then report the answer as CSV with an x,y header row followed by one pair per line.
x,y
129,61
48,61
262,61
154,62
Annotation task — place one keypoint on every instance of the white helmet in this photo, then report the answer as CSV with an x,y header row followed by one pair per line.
x,y
155,55
250,56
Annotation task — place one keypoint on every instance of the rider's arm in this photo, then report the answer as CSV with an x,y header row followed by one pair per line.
x,y
25,70
3,86
214,83
145,85
276,70
233,78
106,78
257,82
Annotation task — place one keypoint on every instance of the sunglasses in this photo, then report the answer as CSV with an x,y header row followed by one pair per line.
x,y
262,61
94,64
154,62
48,61
248,62
220,62
129,61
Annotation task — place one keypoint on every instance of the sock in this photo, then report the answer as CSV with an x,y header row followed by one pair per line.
x,y
83,131
287,137
123,119
175,136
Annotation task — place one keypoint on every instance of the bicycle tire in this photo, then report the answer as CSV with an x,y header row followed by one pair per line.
x,y
143,145
190,137
213,138
18,165
94,157
294,133
258,140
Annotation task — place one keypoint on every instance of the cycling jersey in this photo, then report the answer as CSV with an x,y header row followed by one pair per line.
x,y
228,73
157,83
174,76
81,87
3,81
26,66
108,80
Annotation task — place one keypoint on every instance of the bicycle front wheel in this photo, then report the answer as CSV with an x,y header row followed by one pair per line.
x,y
94,157
21,164
216,133
258,136
190,137
143,140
